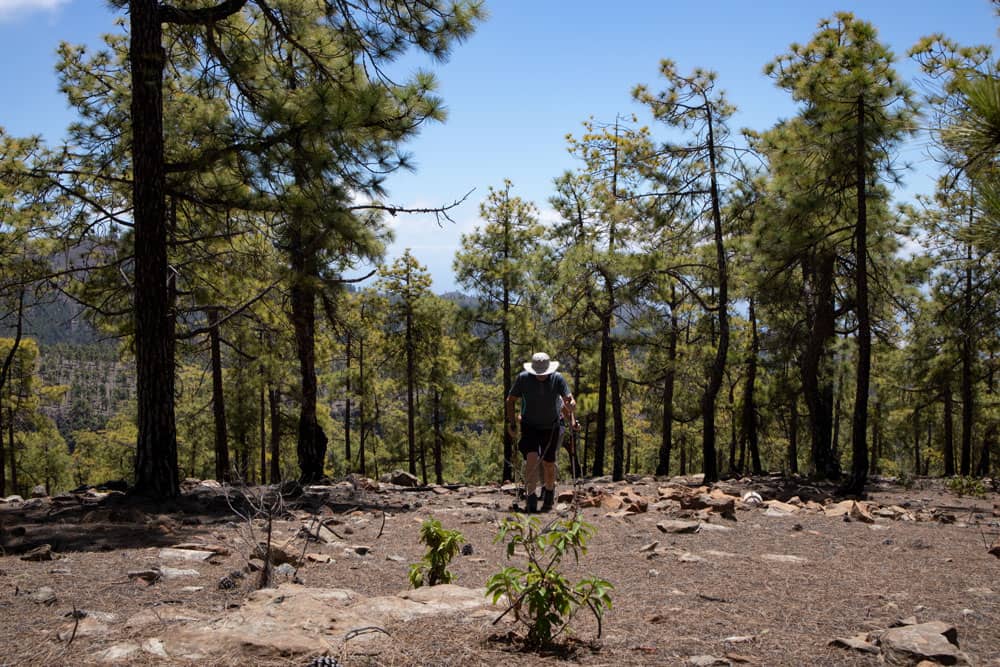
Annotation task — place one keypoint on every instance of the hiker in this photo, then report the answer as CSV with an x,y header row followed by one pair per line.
x,y
544,397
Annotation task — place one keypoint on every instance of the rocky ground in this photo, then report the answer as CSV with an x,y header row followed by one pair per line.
x,y
762,571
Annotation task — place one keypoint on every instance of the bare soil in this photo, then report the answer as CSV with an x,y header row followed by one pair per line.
x,y
720,594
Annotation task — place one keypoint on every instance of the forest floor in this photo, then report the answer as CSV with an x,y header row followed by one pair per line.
x,y
774,586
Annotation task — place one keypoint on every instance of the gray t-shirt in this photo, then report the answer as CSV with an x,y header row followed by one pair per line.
x,y
540,400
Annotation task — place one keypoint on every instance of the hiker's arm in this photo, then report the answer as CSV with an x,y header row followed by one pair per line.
x,y
510,412
569,411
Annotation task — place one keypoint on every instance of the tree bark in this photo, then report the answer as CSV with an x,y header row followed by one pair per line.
x,y
748,433
222,471
347,407
859,420
274,399
817,388
669,378
618,442
600,435
793,437
718,367
156,448
949,432
967,350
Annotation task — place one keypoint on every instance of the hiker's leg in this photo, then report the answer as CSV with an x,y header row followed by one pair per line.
x,y
549,474
531,474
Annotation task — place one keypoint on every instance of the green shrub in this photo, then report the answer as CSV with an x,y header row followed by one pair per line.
x,y
540,596
442,545
967,486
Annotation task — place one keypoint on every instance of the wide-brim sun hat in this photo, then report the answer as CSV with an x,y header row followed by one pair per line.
x,y
540,364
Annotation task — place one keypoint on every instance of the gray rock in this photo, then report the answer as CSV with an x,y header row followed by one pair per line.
x,y
679,527
400,478
935,641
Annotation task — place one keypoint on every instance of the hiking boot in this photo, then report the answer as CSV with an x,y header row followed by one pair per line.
x,y
532,503
548,499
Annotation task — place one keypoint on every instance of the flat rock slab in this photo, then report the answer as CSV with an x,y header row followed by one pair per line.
x,y
193,555
679,527
293,621
935,641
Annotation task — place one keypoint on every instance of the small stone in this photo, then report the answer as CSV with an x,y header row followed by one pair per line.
x,y
43,595
679,527
41,553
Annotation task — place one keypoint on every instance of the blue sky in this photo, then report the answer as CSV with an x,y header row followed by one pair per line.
x,y
531,74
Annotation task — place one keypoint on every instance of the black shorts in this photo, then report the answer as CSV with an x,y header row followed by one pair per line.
x,y
542,441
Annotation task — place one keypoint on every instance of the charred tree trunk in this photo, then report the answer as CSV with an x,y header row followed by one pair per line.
x,y
750,436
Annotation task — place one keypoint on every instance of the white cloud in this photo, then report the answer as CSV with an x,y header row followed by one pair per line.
x,y
11,8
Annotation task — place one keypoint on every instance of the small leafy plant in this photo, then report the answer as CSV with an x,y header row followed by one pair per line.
x,y
539,595
967,486
442,545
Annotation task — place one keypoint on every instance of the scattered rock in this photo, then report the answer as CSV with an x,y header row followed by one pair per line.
x,y
147,577
38,491
995,548
215,549
780,509
43,595
677,526
482,501
707,660
860,512
86,626
291,622
839,509
170,573
934,641
10,500
280,553
319,558
783,558
400,478
168,553
40,553
857,643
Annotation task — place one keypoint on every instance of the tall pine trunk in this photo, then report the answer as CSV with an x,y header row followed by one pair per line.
x,y
669,378
274,399
156,447
600,436
718,367
749,436
222,472
817,387
312,441
949,431
859,420
967,351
